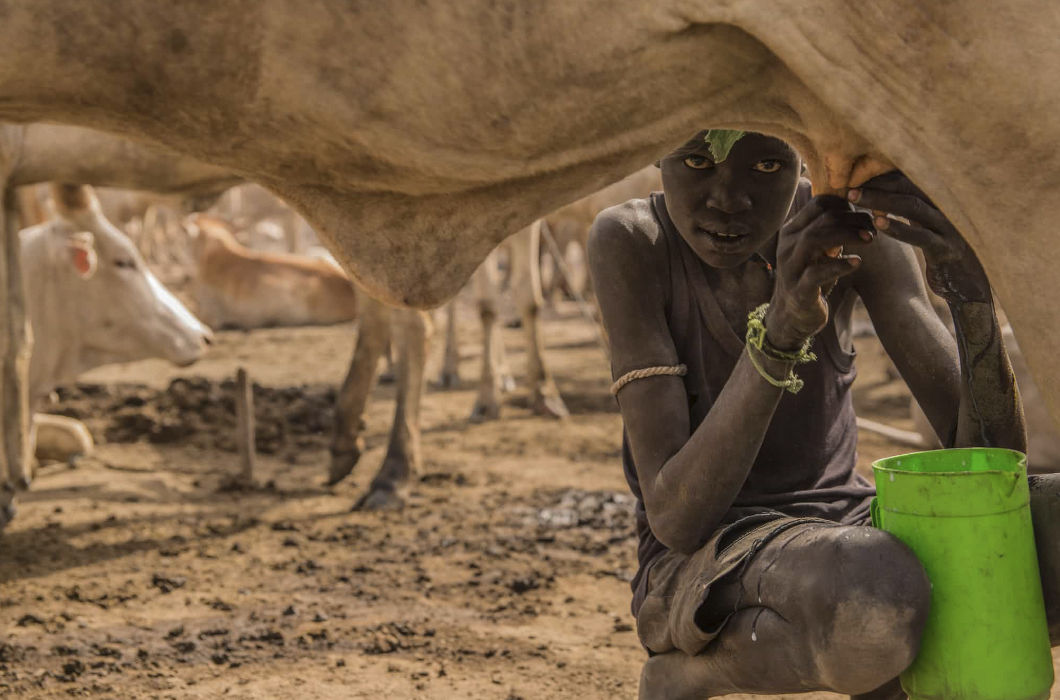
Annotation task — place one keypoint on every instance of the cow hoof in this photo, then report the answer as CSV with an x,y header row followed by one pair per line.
x,y
483,412
342,464
551,406
380,499
387,376
449,380
7,514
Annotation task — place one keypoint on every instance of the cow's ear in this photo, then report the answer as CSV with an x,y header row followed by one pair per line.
x,y
82,251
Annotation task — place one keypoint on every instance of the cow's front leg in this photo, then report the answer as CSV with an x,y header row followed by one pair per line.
x,y
15,346
373,336
545,399
412,331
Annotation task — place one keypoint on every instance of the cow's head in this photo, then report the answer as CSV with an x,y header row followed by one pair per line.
x,y
125,312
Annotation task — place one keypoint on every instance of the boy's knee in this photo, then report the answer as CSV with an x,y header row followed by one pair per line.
x,y
880,601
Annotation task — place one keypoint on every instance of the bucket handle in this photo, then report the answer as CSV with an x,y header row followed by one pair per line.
x,y
876,512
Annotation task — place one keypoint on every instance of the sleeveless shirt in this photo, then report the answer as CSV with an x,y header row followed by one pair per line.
x,y
805,466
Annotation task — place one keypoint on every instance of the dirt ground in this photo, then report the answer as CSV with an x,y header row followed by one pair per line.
x,y
138,574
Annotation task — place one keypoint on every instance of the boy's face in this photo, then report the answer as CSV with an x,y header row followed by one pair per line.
x,y
726,211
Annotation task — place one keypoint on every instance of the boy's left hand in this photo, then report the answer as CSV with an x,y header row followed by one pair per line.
x,y
953,270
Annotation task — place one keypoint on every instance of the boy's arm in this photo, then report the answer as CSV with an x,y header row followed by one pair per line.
x,y
688,481
966,387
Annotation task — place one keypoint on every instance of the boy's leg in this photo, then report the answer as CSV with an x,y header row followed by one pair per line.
x,y
1045,513
819,607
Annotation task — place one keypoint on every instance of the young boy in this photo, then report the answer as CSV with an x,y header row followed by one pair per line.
x,y
755,575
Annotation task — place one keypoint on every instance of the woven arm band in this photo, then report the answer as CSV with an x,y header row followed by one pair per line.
x,y
659,371
756,340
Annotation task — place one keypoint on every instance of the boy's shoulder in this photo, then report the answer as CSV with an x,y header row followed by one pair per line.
x,y
631,223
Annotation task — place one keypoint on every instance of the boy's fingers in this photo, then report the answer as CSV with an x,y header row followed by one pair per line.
x,y
923,238
835,229
827,271
816,207
907,206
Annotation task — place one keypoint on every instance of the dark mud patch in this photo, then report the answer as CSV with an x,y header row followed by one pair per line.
x,y
201,412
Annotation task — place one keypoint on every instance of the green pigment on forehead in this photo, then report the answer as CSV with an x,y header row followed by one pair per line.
x,y
721,142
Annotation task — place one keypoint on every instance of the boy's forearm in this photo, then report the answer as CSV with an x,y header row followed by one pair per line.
x,y
700,483
990,412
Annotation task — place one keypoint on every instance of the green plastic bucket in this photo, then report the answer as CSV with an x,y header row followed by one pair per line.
x,y
966,515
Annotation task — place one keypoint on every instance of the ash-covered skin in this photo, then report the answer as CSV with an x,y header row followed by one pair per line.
x,y
954,273
801,603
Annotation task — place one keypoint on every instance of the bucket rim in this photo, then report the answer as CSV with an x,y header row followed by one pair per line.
x,y
959,473
1021,462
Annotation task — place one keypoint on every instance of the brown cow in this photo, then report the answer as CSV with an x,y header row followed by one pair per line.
x,y
236,287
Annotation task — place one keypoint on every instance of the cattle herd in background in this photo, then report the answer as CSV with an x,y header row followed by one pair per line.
x,y
250,262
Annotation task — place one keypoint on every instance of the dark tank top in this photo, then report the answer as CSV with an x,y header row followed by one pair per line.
x,y
805,466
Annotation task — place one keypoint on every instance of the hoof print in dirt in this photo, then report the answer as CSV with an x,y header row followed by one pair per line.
x,y
71,670
29,619
167,584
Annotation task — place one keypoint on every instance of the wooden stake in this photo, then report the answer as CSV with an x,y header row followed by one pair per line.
x,y
245,425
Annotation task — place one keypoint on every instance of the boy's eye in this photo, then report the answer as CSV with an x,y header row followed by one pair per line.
x,y
768,166
699,162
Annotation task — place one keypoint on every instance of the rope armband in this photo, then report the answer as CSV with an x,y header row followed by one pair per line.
x,y
657,371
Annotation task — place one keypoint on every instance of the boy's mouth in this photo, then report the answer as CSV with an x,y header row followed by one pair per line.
x,y
725,238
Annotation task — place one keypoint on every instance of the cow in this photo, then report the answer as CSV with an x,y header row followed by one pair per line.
x,y
410,332
36,153
92,301
568,225
415,138
237,287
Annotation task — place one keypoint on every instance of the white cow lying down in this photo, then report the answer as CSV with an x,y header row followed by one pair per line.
x,y
235,286
92,301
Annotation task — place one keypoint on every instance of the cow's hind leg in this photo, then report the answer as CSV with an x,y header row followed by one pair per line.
x,y
450,375
494,367
545,399
412,331
373,335
15,345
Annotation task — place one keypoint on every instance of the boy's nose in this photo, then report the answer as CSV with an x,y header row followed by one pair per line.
x,y
728,200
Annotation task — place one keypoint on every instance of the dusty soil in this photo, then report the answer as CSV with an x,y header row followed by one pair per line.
x,y
138,573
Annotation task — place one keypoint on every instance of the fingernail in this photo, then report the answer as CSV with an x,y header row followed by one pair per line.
x,y
856,262
854,194
866,235
881,223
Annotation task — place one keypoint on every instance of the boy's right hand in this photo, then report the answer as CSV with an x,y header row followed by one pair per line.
x,y
808,267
